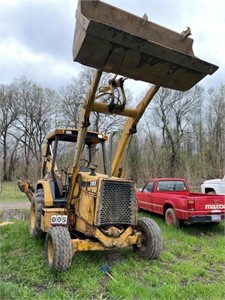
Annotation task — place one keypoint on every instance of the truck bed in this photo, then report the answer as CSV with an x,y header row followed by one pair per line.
x,y
187,206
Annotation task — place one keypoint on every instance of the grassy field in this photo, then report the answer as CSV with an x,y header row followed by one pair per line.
x,y
10,192
191,266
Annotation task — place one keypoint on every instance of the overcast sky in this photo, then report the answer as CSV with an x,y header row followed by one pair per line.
x,y
37,36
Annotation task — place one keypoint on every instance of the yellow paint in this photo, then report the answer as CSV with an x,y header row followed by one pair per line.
x,y
81,225
86,245
46,216
129,125
122,242
86,207
112,241
48,199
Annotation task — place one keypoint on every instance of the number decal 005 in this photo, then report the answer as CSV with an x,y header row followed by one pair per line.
x,y
58,219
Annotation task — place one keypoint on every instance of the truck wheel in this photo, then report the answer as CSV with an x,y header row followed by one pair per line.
x,y
171,218
58,248
37,203
151,238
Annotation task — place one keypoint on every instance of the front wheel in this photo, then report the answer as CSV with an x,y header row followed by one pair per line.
x,y
58,248
151,239
171,219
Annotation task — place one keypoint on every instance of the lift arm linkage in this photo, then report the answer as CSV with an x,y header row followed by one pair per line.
x,y
84,123
130,127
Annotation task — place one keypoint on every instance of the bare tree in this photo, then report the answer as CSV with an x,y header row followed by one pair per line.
x,y
154,157
8,114
173,112
72,97
214,150
33,120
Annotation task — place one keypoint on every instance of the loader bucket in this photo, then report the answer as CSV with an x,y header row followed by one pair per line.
x,y
112,40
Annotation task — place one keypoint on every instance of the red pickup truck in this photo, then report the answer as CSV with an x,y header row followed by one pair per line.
x,y
172,198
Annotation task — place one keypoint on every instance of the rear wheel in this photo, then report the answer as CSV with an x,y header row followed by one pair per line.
x,y
171,218
58,248
151,239
37,204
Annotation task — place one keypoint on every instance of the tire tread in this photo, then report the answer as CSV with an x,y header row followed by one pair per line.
x,y
154,238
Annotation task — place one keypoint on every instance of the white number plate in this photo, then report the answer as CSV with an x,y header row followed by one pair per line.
x,y
216,218
58,220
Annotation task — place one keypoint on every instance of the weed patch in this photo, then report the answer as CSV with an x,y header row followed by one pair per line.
x,y
191,266
10,192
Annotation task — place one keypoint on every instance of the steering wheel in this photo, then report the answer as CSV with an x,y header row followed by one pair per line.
x,y
84,163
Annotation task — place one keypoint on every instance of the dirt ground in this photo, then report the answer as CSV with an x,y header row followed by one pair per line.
x,y
13,205
11,211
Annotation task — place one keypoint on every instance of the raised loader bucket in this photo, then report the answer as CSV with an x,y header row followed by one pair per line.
x,y
112,40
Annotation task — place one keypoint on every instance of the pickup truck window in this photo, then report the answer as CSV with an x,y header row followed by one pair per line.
x,y
171,186
149,187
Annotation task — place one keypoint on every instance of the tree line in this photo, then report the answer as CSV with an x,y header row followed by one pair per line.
x,y
182,134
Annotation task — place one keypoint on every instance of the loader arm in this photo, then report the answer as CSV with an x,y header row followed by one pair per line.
x,y
130,128
84,116
84,123
115,41
134,115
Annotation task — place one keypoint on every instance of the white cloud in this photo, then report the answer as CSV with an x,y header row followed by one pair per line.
x,y
36,38
18,60
12,49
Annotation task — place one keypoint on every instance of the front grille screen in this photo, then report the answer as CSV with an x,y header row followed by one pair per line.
x,y
117,204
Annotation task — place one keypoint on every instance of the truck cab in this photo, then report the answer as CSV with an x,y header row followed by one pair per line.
x,y
214,186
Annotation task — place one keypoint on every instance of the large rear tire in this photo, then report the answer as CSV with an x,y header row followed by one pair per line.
x,y
171,219
151,239
58,248
37,204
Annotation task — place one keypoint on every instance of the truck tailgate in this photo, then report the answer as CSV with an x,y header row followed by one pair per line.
x,y
209,203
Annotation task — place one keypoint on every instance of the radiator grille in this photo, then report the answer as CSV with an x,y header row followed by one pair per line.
x,y
117,205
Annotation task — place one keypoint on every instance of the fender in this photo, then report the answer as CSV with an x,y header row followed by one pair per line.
x,y
48,199
168,204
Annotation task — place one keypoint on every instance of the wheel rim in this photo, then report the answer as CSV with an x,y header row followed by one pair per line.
x,y
50,251
169,218
143,241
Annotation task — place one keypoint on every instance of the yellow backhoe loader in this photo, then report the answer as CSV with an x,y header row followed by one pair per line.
x,y
79,207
